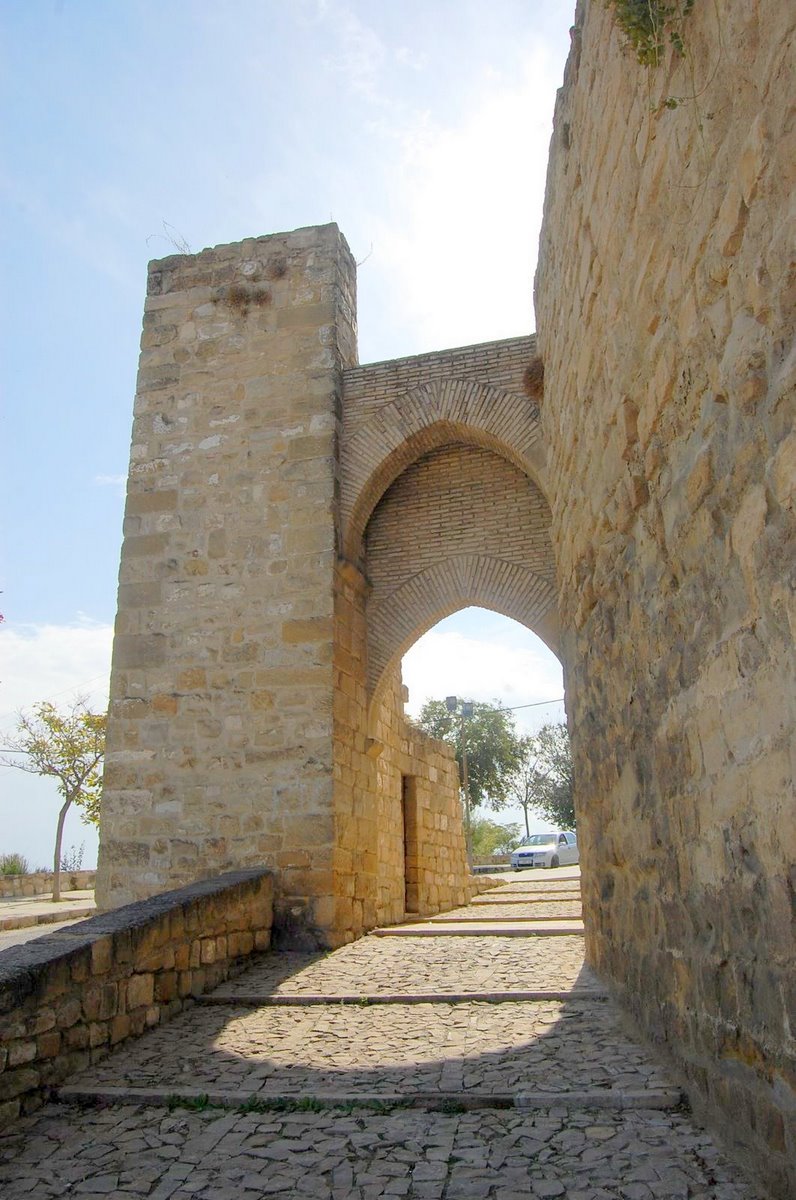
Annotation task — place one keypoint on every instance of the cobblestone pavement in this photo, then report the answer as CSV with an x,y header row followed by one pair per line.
x,y
601,1120
395,1049
377,966
132,1151
534,882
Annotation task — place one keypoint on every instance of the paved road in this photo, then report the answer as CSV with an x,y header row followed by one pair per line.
x,y
475,1067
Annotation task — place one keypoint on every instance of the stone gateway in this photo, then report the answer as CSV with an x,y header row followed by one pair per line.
x,y
295,521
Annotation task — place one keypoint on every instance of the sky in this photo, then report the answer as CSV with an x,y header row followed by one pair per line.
x,y
134,129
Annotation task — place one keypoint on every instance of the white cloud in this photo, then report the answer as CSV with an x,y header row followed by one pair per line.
x,y
460,243
360,55
53,662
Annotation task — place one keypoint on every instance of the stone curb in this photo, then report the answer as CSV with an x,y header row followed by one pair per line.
x,y
655,1099
309,999
444,919
73,912
469,930
161,1095
492,901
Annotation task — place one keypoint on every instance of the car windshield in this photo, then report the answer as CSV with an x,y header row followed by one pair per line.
x,y
538,839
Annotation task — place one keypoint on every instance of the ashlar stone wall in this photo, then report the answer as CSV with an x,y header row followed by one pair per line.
x,y
665,306
242,731
220,726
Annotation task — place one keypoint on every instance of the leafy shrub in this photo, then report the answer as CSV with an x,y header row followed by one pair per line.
x,y
14,864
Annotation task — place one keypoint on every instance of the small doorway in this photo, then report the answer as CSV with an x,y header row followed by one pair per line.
x,y
411,863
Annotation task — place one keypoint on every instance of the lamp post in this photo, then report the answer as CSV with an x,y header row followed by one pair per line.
x,y
465,708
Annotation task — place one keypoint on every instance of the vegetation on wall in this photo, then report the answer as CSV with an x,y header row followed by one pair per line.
x,y
650,26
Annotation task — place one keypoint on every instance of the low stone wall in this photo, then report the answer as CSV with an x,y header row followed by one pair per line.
x,y
67,999
41,882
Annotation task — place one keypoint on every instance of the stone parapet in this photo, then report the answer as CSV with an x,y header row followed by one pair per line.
x,y
66,1000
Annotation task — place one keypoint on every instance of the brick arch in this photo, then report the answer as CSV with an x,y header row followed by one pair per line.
x,y
427,597
421,420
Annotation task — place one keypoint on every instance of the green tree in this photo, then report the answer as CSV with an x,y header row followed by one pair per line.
x,y
493,747
68,747
489,837
543,780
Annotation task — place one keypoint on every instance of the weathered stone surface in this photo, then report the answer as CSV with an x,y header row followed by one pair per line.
x,y
666,321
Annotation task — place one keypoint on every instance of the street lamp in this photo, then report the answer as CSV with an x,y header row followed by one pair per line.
x,y
465,708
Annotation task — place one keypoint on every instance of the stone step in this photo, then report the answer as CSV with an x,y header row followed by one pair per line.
x,y
653,1099
227,995
486,902
523,918
548,898
559,928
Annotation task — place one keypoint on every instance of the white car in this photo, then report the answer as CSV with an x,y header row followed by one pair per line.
x,y
546,850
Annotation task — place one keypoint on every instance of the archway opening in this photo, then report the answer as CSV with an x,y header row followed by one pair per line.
x,y
481,655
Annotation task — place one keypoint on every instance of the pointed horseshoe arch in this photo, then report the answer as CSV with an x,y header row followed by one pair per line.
x,y
443,589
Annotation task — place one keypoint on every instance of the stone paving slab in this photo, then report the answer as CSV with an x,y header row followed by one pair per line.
x,y
381,966
551,1047
20,936
135,1151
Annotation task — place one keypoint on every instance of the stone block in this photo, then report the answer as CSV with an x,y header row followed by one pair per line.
x,y
68,1012
21,1052
307,631
101,955
120,1028
139,991
18,1082
100,1001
